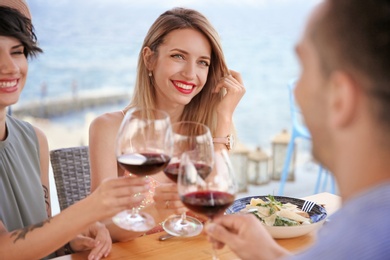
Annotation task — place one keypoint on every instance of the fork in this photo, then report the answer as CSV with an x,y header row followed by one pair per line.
x,y
308,205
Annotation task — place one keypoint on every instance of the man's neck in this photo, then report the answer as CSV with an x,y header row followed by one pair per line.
x,y
361,165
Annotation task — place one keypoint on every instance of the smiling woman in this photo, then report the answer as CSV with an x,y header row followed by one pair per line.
x,y
181,70
27,230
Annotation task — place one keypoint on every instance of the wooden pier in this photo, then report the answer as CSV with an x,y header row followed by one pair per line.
x,y
57,106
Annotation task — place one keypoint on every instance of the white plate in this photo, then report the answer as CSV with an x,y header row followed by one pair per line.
x,y
318,216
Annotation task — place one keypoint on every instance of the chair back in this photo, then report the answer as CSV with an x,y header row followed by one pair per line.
x,y
299,129
298,124
71,174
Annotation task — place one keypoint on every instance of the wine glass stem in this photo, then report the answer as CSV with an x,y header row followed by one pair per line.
x,y
134,211
213,249
183,218
215,256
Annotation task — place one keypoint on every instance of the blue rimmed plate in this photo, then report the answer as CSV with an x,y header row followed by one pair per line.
x,y
318,215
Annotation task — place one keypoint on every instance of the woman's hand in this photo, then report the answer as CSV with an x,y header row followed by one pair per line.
x,y
235,90
97,239
118,194
167,200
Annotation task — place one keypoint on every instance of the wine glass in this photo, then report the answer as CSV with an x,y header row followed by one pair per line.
x,y
195,139
209,194
144,147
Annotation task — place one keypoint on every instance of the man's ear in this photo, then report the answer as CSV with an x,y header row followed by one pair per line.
x,y
344,99
148,56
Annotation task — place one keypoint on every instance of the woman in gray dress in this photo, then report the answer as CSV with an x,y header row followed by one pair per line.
x,y
27,230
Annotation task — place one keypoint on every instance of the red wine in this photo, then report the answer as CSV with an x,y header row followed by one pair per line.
x,y
209,203
172,171
143,163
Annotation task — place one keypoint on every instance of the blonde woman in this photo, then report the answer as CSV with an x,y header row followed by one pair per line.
x,y
181,70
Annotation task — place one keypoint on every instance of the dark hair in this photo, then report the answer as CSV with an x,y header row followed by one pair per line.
x,y
16,25
354,36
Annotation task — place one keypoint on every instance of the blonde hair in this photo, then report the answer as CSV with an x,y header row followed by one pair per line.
x,y
203,106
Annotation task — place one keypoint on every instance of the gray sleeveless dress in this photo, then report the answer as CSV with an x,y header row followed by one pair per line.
x,y
21,194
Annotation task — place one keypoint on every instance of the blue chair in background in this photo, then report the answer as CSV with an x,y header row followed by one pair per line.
x,y
299,130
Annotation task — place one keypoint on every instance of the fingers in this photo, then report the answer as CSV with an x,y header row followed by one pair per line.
x,y
215,243
243,234
226,229
162,197
82,243
232,222
123,186
101,241
126,202
219,236
167,200
216,233
231,82
235,223
101,249
127,180
236,75
166,191
234,91
171,205
115,195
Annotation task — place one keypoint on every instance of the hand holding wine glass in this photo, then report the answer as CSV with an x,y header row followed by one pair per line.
x,y
209,194
144,147
194,139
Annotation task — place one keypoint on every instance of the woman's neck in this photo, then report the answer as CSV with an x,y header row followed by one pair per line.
x,y
174,111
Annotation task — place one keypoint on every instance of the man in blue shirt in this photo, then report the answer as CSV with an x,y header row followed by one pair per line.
x,y
344,94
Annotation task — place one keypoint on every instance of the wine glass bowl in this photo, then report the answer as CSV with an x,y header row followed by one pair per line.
x,y
208,193
144,163
195,140
144,141
144,147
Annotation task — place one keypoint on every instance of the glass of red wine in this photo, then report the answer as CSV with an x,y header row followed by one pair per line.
x,y
194,139
144,147
209,194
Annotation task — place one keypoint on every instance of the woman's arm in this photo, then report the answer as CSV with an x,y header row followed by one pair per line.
x,y
102,136
41,239
44,165
96,238
235,90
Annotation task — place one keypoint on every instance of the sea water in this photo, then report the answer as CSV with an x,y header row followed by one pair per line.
x,y
93,45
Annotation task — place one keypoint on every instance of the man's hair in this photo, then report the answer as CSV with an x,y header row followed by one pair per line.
x,y
354,36
16,25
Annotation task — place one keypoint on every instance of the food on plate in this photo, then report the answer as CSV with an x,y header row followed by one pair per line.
x,y
274,213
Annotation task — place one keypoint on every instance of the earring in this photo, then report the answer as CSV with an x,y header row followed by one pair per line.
x,y
150,74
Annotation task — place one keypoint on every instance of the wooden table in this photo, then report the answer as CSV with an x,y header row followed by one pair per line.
x,y
149,247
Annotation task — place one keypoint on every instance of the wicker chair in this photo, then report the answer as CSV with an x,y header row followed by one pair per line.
x,y
71,173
